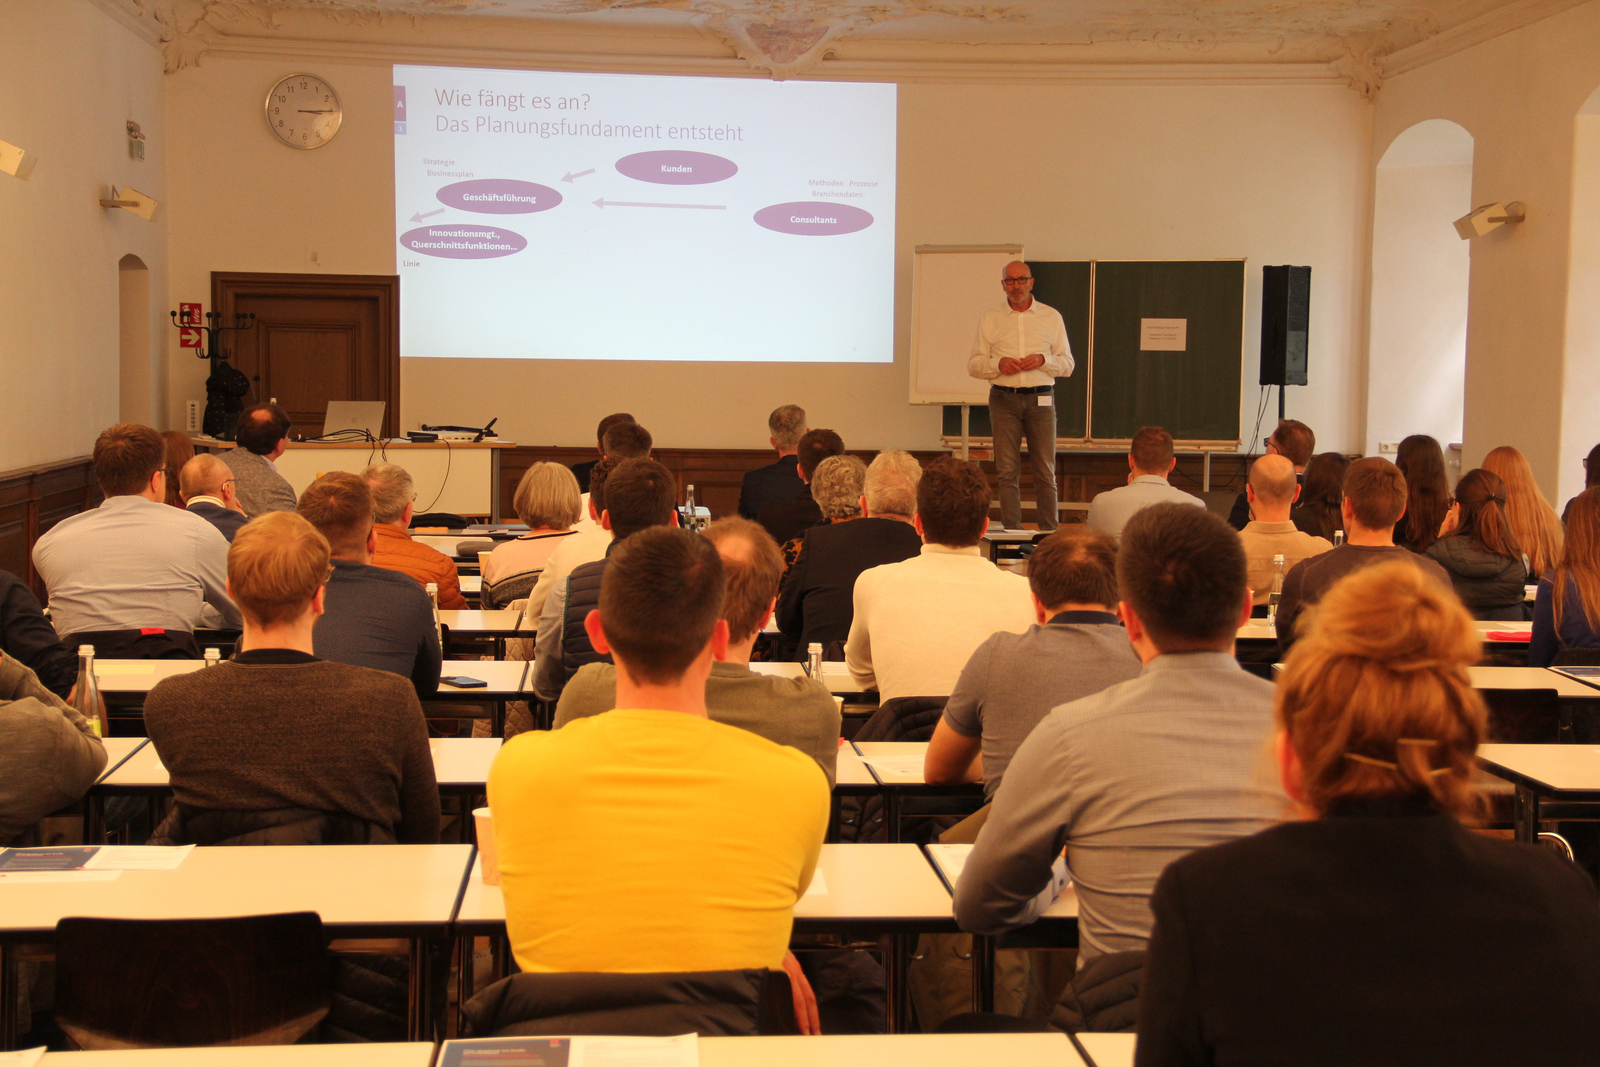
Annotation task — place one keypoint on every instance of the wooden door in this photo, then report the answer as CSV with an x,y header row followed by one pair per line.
x,y
317,337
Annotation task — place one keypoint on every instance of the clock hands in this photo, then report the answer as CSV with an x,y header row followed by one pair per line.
x,y
324,111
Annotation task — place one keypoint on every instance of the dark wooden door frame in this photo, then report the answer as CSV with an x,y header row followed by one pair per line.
x,y
226,286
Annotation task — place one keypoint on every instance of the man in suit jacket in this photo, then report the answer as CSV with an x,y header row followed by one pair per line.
x,y
207,487
581,471
815,605
780,481
262,436
787,519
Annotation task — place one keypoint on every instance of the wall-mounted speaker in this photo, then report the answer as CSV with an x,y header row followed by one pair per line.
x,y
1285,324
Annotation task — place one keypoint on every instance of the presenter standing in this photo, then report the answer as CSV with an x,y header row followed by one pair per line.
x,y
1021,349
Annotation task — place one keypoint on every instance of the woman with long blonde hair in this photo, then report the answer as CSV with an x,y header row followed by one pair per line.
x,y
1569,596
1376,928
1534,522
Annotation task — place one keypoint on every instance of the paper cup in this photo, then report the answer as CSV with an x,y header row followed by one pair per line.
x,y
483,561
488,861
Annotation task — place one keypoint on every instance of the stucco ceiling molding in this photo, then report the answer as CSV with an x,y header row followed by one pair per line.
x,y
1486,27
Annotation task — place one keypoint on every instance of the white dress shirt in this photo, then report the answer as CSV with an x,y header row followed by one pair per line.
x,y
133,563
1003,332
917,622
1110,511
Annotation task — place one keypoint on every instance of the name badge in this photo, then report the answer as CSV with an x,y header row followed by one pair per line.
x,y
1047,400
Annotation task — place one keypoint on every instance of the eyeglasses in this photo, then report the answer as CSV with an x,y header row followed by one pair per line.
x,y
1015,281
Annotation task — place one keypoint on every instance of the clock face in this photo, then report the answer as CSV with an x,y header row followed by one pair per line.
x,y
304,112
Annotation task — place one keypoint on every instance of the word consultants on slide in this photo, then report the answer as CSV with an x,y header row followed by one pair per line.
x,y
608,216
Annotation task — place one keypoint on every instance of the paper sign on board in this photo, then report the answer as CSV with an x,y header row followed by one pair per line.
x,y
1163,335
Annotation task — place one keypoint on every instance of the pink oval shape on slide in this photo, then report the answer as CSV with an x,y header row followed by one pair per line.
x,y
810,218
677,167
499,196
463,241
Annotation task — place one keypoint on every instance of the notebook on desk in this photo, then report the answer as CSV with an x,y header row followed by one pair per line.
x,y
1587,675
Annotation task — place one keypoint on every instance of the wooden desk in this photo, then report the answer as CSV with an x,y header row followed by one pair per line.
x,y
472,587
836,676
399,1054
458,477
1107,1050
1543,772
891,1050
408,891
897,786
998,542
496,625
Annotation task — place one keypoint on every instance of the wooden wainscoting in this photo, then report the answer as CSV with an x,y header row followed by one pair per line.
x,y
717,474
32,500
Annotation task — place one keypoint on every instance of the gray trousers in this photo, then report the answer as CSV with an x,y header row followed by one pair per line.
x,y
1012,415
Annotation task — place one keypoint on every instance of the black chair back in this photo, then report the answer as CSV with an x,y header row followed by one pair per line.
x,y
166,983
711,1003
1577,657
1523,716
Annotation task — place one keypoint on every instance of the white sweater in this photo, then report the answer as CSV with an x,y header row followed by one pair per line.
x,y
917,622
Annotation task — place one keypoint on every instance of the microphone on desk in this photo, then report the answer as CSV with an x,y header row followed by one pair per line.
x,y
485,431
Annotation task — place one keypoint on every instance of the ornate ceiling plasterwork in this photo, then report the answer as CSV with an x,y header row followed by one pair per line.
x,y
1349,39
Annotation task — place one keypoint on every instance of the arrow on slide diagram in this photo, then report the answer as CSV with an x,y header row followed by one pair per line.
x,y
580,174
419,216
604,203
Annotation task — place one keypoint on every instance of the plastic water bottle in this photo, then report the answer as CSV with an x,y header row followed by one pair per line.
x,y
1277,589
213,657
689,509
86,694
1338,538
814,659
438,630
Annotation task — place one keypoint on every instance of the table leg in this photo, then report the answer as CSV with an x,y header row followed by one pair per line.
x,y
1526,815
497,724
891,815
982,973
466,979
8,997
94,818
895,987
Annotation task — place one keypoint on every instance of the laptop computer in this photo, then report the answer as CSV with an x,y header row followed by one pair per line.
x,y
354,415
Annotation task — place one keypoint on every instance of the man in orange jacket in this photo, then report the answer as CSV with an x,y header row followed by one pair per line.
x,y
394,497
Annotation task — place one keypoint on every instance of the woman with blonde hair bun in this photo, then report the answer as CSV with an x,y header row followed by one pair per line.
x,y
1533,521
1376,928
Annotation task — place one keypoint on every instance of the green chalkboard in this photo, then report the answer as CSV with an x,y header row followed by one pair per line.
x,y
1116,387
1193,393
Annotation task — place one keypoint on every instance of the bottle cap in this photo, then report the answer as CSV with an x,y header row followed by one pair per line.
x,y
814,647
213,653
85,650
432,587
1277,557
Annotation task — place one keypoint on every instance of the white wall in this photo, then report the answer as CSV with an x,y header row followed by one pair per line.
x,y
1517,95
1417,347
1275,174
70,78
1580,414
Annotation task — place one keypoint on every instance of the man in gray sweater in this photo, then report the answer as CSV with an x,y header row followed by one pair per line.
x,y
798,712
49,756
1132,778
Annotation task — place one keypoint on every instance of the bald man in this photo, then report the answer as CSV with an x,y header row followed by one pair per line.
x,y
208,489
1271,492
1021,349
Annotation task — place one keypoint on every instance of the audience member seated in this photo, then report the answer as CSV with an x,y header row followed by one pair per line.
x,y
1569,596
1477,549
1421,460
581,470
180,450
1533,521
1135,776
1591,476
27,637
1076,649
798,712
548,503
261,437
787,519
278,746
49,754
1374,927
1317,512
131,577
640,493
1269,533
1150,460
1374,498
917,622
371,617
780,481
650,838
206,486
394,499
587,544
836,487
1294,441
815,605
622,440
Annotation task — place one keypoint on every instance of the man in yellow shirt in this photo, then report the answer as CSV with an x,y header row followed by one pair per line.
x,y
650,838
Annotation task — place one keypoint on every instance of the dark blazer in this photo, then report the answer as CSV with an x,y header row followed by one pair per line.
x,y
581,471
817,601
27,637
787,519
225,519
1373,937
774,483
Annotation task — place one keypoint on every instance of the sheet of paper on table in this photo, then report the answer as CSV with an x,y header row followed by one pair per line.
x,y
63,858
75,875
818,886
138,858
680,1051
25,1057
897,768
950,859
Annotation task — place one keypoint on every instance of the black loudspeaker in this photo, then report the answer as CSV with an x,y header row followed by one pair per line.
x,y
1285,321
